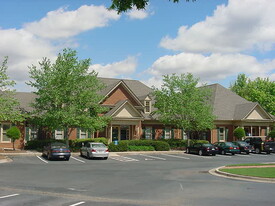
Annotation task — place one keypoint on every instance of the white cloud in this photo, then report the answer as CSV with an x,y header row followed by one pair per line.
x,y
64,24
241,25
122,68
211,68
23,49
138,14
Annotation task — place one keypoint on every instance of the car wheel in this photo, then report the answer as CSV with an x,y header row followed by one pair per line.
x,y
257,151
247,152
233,153
200,152
67,159
223,152
105,158
267,152
187,151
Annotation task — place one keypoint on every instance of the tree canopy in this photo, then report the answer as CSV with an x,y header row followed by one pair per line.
x,y
13,133
125,5
260,90
9,109
67,94
181,103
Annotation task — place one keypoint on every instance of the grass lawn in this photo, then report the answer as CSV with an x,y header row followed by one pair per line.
x,y
267,172
250,164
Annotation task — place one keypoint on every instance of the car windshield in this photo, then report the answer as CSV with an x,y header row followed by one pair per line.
x,y
58,145
243,144
98,145
207,145
229,144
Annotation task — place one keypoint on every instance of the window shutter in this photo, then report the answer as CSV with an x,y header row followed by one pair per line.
x,y
226,134
27,134
153,133
172,133
77,133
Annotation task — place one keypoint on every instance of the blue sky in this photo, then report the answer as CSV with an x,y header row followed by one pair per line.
x,y
215,40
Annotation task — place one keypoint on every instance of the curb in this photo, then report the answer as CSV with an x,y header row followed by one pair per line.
x,y
217,172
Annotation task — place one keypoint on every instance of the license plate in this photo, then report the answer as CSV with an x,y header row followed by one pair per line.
x,y
235,148
61,156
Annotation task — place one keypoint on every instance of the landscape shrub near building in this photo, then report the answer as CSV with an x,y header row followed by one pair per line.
x,y
127,145
178,144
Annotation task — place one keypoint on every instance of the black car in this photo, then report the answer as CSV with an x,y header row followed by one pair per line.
x,y
227,147
244,147
56,150
202,149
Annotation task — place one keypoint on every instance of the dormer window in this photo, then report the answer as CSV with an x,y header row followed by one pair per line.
x,y
147,105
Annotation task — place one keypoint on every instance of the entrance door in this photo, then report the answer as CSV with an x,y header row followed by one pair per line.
x,y
115,131
124,132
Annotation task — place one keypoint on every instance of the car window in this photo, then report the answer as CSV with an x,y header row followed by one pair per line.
x,y
98,145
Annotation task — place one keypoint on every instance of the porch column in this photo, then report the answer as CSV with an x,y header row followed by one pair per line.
x,y
111,134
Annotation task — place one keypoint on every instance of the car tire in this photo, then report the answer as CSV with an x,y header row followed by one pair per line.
x,y
223,152
257,151
200,152
105,158
233,153
267,152
67,159
247,153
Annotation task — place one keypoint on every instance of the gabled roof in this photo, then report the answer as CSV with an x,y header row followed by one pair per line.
x,y
137,88
25,99
227,105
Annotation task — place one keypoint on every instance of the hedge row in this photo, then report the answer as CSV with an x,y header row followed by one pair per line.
x,y
127,145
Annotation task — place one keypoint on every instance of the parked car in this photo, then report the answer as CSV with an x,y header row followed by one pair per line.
x,y
56,150
202,149
94,150
244,147
259,145
227,147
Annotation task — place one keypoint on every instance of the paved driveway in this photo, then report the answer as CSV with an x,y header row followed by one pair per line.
x,y
139,179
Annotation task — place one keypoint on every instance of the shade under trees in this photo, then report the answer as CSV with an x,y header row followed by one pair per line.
x,y
260,90
67,94
181,103
9,109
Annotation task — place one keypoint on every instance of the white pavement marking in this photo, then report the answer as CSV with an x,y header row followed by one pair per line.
x,y
78,159
239,155
223,156
187,158
42,159
190,155
124,159
78,203
9,196
181,187
152,157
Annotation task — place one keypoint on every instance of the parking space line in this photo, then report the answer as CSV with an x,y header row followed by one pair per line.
x,y
42,159
78,159
197,156
187,158
124,159
223,156
152,157
9,196
240,155
78,203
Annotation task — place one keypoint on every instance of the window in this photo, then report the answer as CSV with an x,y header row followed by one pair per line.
x,y
147,106
148,132
83,134
59,134
3,134
167,133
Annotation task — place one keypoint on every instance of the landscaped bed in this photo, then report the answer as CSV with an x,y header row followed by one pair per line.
x,y
254,170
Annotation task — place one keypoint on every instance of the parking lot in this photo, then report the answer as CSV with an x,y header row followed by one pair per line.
x,y
130,179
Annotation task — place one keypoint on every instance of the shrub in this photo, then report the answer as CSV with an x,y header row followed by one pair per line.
x,y
176,143
121,147
76,144
194,141
161,146
39,144
271,134
141,148
239,133
13,133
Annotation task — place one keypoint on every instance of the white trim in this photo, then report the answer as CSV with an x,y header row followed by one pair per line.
x,y
1,133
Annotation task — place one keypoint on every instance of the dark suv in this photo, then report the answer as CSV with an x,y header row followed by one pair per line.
x,y
259,145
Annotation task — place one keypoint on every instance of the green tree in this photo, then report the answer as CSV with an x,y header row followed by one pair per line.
x,y
9,109
125,5
271,134
260,90
181,103
68,95
239,133
13,133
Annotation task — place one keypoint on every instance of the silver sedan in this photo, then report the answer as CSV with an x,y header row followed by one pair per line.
x,y
94,150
